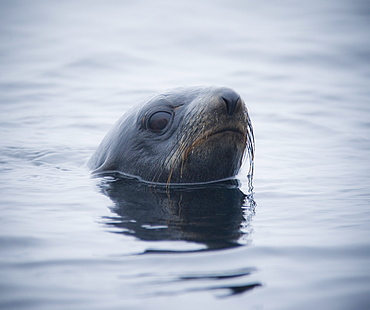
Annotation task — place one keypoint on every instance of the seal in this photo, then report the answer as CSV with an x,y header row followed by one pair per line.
x,y
185,135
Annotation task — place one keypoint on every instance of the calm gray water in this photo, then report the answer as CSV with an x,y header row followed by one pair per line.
x,y
70,69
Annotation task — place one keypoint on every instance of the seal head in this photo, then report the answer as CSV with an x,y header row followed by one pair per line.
x,y
186,135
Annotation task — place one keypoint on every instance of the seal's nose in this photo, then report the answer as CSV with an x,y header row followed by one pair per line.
x,y
232,100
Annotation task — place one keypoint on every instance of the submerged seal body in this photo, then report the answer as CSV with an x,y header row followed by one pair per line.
x,y
186,135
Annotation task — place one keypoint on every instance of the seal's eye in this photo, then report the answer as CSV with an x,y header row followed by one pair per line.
x,y
159,121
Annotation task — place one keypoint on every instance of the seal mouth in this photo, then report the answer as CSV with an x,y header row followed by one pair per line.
x,y
226,130
206,136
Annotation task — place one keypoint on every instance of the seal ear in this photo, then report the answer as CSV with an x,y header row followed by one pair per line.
x,y
159,121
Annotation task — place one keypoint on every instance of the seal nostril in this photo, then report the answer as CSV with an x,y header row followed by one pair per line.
x,y
231,100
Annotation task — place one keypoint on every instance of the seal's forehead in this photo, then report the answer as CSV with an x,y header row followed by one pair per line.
x,y
185,95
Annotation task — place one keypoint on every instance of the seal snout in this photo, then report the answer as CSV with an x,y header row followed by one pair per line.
x,y
231,100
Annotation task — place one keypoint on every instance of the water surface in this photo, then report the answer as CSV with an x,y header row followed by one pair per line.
x,y
70,69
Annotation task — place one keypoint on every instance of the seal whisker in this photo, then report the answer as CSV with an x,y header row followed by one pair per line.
x,y
250,145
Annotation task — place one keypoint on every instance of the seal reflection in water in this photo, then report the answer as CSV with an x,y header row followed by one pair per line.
x,y
214,216
186,135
